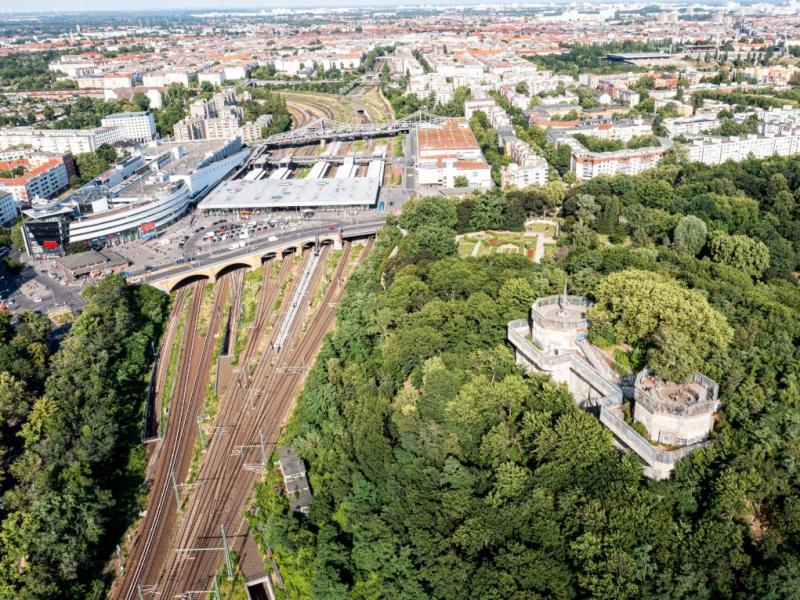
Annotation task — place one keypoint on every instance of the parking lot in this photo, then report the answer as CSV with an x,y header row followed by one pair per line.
x,y
37,288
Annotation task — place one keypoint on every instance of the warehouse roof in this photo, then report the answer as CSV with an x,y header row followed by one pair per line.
x,y
292,193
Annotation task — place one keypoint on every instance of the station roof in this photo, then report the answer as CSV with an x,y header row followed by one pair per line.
x,y
267,194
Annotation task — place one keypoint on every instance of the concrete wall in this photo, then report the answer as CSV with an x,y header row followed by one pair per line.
x,y
676,430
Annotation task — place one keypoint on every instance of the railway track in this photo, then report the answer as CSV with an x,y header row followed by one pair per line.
x,y
237,281
171,460
226,480
162,364
222,470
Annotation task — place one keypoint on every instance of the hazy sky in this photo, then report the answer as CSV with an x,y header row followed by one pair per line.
x,y
143,5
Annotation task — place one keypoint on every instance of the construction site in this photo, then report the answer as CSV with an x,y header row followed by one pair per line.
x,y
231,363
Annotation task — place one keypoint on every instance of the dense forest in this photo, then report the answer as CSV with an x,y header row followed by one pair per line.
x,y
441,471
73,463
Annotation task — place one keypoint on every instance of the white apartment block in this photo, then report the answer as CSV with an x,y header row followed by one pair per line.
x,y
528,168
165,78
423,86
532,172
135,126
59,140
690,125
213,77
111,82
235,72
586,164
75,69
717,150
8,208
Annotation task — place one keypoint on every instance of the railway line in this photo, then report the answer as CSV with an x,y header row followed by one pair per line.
x,y
153,412
174,552
226,477
223,480
235,313
170,462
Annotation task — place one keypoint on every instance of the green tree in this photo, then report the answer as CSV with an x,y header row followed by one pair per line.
x,y
648,309
429,210
690,235
740,252
430,242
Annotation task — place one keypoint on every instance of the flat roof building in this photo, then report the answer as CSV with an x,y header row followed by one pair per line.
x,y
135,126
274,194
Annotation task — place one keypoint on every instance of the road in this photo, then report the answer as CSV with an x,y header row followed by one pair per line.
x,y
55,295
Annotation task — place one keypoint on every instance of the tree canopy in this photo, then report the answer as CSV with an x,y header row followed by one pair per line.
x,y
74,477
439,470
645,309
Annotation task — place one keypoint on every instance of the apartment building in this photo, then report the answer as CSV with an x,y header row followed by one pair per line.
x,y
135,126
59,141
117,80
215,78
714,150
528,168
423,85
690,125
165,78
42,177
448,152
8,208
586,164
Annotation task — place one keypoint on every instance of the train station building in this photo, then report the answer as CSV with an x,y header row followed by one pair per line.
x,y
266,195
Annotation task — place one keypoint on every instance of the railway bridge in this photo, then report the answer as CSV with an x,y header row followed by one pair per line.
x,y
323,130
253,256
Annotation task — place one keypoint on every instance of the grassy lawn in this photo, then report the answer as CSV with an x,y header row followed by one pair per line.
x,y
341,108
205,308
549,230
497,242
378,108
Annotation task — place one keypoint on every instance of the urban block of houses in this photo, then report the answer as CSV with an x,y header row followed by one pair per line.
x,y
587,164
8,208
448,152
41,176
528,167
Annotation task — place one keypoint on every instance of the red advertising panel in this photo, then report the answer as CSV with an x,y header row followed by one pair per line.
x,y
49,244
146,227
